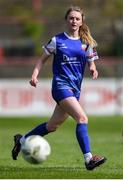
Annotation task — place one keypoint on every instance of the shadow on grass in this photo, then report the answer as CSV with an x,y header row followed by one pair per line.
x,y
38,172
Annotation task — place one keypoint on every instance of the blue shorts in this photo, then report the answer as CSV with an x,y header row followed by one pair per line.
x,y
60,94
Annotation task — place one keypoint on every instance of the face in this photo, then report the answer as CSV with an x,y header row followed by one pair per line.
x,y
74,21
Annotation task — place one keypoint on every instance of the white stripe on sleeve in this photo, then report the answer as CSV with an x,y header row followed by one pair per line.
x,y
50,47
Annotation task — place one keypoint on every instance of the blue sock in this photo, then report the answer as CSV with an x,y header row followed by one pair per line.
x,y
39,130
83,138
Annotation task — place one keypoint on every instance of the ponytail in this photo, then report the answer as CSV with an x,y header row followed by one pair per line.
x,y
85,35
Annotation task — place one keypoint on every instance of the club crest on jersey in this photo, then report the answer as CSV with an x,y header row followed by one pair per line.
x,y
84,47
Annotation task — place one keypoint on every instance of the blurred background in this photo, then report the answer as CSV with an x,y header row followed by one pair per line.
x,y
26,25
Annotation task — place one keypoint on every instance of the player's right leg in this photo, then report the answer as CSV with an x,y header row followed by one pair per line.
x,y
58,117
55,121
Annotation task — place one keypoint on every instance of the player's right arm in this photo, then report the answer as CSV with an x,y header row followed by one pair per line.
x,y
38,67
49,49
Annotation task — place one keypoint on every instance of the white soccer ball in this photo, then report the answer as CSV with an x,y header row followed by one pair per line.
x,y
35,149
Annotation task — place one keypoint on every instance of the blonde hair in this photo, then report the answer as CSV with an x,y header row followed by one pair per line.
x,y
84,31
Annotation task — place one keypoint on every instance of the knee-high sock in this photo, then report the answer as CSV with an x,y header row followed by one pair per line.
x,y
83,138
39,130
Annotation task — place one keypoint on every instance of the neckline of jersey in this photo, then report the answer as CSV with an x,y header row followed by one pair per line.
x,y
73,38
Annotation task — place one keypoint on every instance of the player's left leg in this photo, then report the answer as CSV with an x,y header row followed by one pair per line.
x,y
73,108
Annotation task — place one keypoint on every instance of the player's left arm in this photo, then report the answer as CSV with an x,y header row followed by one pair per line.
x,y
92,55
93,70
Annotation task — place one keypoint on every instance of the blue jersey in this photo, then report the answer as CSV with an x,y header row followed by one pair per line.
x,y
70,57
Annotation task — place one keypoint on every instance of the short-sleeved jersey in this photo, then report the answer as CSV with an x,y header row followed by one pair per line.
x,y
70,57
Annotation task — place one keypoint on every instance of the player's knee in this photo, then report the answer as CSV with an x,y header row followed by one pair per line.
x,y
82,119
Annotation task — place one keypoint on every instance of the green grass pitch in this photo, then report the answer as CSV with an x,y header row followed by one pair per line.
x,y
66,160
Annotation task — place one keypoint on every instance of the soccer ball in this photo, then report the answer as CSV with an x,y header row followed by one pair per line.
x,y
35,149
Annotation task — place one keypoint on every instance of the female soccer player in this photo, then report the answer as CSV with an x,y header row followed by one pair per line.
x,y
72,49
